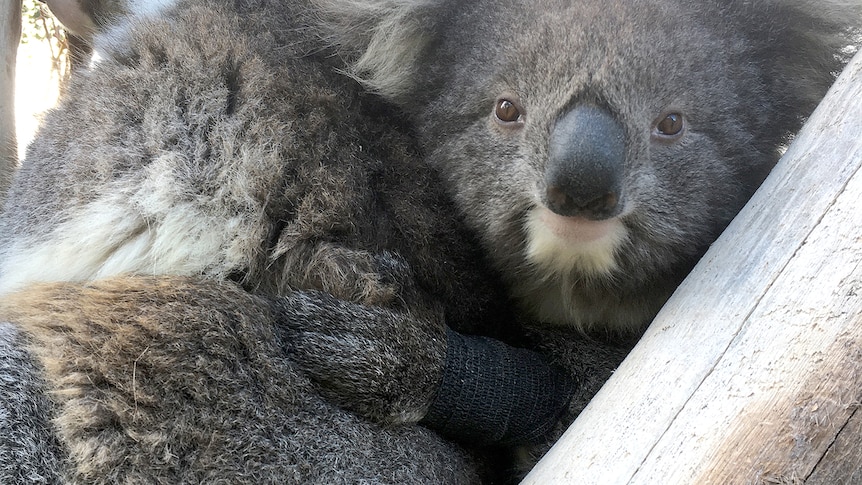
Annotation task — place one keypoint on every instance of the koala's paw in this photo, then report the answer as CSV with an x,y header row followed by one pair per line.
x,y
380,363
352,274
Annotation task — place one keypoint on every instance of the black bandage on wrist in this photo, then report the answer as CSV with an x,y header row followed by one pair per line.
x,y
493,393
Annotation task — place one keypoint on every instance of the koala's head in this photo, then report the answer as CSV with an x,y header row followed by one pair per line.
x,y
598,146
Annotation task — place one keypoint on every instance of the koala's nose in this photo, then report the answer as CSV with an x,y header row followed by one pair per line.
x,y
586,160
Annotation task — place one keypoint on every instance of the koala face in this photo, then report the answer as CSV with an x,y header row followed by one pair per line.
x,y
599,147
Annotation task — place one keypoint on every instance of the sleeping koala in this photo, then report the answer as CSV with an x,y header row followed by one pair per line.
x,y
277,224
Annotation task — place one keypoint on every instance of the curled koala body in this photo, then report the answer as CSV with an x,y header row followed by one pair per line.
x,y
241,161
593,158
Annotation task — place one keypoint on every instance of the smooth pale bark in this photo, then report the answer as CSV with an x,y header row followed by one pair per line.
x,y
10,37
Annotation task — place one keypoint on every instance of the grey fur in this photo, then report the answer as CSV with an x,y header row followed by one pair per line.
x,y
173,380
238,168
30,450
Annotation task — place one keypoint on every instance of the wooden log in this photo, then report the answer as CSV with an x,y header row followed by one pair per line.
x,y
10,37
752,372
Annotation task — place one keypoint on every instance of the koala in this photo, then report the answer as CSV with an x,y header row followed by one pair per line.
x,y
248,269
335,217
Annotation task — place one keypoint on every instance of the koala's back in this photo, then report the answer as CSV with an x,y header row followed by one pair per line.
x,y
218,142
149,123
249,131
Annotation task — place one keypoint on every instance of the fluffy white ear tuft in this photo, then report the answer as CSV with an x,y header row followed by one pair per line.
x,y
381,39
148,8
112,38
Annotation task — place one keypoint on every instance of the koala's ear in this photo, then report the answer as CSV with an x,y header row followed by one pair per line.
x,y
381,40
801,46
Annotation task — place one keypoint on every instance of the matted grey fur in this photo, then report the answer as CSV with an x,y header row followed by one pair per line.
x,y
218,158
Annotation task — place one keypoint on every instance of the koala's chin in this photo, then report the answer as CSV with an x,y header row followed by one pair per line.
x,y
560,244
567,253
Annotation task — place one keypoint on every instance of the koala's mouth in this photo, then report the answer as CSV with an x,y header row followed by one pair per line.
x,y
578,229
567,244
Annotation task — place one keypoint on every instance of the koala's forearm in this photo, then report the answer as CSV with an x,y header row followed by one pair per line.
x,y
395,366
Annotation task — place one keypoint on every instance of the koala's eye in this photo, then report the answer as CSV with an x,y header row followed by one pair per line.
x,y
671,125
507,111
